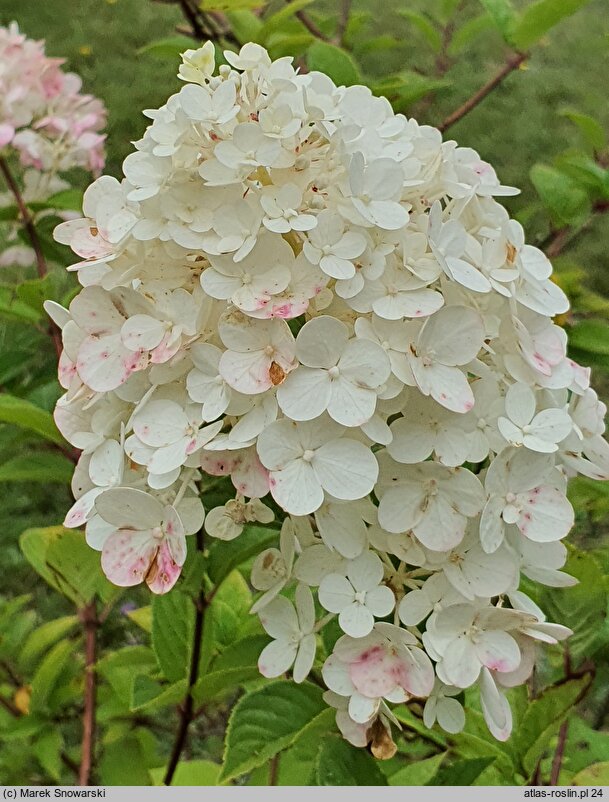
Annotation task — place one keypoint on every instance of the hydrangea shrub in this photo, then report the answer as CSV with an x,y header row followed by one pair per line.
x,y
44,116
297,288
47,127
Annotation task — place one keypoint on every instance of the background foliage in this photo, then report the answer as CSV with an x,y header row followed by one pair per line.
x,y
165,712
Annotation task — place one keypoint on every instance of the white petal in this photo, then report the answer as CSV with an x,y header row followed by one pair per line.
x,y
380,601
296,488
305,394
346,469
126,507
356,620
335,593
277,658
520,404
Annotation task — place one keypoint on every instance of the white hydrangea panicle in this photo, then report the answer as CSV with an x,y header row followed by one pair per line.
x,y
319,303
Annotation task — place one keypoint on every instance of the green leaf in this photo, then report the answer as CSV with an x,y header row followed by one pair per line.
x,y
67,199
583,607
120,668
297,764
425,27
34,292
142,617
65,561
504,17
48,748
542,720
265,721
225,556
12,308
9,213
282,44
593,132
245,25
340,763
149,695
123,762
44,636
463,772
334,62
237,664
565,201
596,774
190,772
22,413
173,616
468,32
591,336
168,49
276,21
585,171
76,568
407,87
420,773
49,674
229,608
228,5
42,467
538,18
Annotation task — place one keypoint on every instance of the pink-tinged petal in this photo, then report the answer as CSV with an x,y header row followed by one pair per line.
x,y
250,477
173,530
546,514
166,349
81,511
219,463
104,363
376,672
127,556
164,571
248,373
416,674
497,650
7,132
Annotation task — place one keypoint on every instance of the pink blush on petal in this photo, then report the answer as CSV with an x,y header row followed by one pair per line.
x,y
164,571
375,673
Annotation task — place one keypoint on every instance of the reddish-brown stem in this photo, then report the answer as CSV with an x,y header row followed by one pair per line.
x,y
512,63
26,217
30,228
90,624
274,769
187,711
559,753
311,27
343,21
561,238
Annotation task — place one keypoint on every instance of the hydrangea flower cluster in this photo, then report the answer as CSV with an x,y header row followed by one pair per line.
x,y
43,114
297,288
